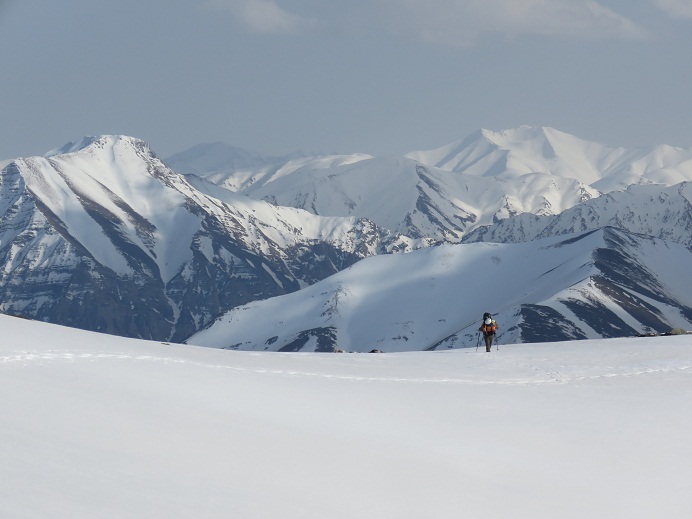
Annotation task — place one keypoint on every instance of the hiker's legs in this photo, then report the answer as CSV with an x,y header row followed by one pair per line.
x,y
488,342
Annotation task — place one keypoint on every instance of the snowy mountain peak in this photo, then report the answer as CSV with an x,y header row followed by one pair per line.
x,y
103,235
72,146
527,150
511,137
215,157
445,193
100,142
103,220
519,151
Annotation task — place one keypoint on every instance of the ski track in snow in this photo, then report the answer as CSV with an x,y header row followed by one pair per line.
x,y
543,376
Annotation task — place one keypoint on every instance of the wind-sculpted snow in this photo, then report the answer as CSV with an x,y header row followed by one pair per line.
x,y
100,234
605,283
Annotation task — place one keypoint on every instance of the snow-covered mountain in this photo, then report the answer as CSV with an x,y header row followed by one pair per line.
x,y
524,150
101,235
419,201
218,157
101,426
442,194
652,210
239,170
605,283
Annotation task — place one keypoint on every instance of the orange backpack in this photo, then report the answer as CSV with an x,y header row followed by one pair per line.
x,y
489,328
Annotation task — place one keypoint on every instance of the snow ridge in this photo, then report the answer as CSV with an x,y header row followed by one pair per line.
x,y
445,193
605,283
108,207
100,231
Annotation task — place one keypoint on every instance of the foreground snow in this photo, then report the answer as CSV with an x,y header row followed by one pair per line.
x,y
100,426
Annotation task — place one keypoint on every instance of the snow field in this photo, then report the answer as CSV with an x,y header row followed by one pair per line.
x,y
101,426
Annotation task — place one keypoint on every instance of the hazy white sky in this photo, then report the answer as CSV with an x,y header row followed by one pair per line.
x,y
377,76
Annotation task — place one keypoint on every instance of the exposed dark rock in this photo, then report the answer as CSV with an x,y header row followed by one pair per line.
x,y
325,340
544,324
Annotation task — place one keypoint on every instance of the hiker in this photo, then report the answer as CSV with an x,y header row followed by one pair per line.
x,y
488,327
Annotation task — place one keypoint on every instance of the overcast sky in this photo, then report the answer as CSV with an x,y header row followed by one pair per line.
x,y
374,76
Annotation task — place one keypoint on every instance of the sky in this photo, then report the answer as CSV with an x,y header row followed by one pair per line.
x,y
383,77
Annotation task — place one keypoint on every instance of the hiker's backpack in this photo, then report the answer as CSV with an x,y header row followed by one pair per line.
x,y
489,328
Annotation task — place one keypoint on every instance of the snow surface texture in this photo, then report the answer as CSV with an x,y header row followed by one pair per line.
x,y
100,426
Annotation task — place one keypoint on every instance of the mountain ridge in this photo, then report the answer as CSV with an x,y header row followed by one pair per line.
x,y
479,180
107,238
102,234
601,283
652,210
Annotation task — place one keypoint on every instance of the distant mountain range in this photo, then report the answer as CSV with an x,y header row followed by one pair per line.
x,y
651,210
442,194
102,235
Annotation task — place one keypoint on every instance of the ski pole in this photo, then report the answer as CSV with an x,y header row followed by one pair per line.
x,y
478,342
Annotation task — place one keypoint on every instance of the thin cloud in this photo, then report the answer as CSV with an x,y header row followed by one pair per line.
x,y
462,22
675,8
263,16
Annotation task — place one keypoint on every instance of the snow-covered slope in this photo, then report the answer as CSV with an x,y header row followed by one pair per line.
x,y
217,157
652,210
606,283
519,151
101,426
444,193
239,170
408,198
100,234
